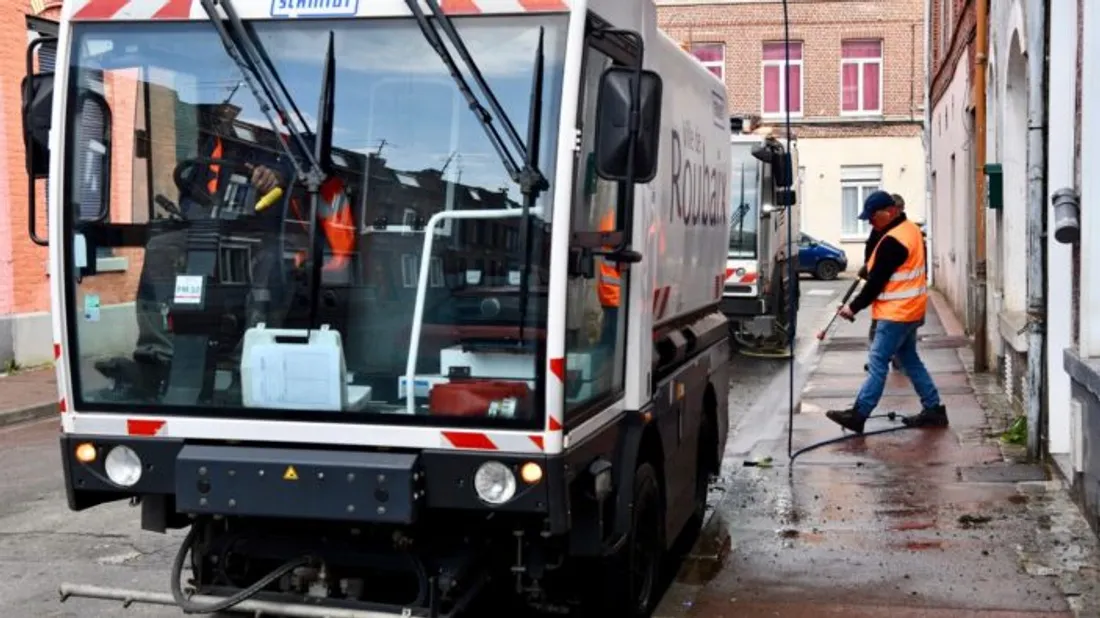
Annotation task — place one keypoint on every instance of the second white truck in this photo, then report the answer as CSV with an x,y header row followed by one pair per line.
x,y
759,290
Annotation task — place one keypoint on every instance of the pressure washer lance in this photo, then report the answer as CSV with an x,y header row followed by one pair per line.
x,y
843,301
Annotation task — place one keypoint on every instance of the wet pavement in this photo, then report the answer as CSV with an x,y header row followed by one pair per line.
x,y
914,524
929,523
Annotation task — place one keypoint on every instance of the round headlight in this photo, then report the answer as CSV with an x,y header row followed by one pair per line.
x,y
123,466
495,483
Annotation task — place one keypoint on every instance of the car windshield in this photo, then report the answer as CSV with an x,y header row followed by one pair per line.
x,y
188,226
745,208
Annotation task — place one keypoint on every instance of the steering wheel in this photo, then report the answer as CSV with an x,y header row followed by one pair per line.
x,y
197,190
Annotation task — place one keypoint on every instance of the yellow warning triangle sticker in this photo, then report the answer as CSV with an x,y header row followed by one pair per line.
x,y
291,474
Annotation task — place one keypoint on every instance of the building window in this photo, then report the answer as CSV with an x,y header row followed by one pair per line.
x,y
780,96
713,57
861,77
856,183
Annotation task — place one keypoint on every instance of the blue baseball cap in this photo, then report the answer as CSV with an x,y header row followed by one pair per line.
x,y
874,203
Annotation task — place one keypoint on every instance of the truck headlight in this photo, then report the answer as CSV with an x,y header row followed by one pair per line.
x,y
495,483
123,466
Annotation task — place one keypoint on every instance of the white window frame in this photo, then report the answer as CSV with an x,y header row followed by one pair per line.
x,y
709,64
783,82
860,62
865,179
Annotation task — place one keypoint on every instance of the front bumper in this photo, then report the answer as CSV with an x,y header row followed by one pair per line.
x,y
303,481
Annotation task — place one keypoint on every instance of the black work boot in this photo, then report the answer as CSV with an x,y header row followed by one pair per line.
x,y
928,417
849,419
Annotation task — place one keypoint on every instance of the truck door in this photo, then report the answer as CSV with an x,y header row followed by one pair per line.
x,y
596,309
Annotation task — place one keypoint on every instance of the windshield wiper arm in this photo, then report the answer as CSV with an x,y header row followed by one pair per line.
x,y
243,50
270,67
529,178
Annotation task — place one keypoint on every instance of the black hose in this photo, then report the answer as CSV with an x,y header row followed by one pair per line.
x,y
890,415
192,608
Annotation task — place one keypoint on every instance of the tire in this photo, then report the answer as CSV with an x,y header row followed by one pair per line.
x,y
631,579
827,270
694,526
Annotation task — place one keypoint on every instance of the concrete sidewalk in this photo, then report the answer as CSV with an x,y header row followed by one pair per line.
x,y
931,523
27,395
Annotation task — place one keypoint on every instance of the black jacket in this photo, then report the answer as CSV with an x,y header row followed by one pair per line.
x,y
890,256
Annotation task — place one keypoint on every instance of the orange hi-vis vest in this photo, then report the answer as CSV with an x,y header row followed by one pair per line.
x,y
212,186
610,283
905,297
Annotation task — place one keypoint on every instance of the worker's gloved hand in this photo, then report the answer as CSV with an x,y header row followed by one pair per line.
x,y
264,178
862,274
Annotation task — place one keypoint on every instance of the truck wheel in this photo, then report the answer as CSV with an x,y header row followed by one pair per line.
x,y
630,582
827,270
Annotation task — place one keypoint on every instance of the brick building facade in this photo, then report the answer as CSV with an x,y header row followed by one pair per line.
x,y
856,97
26,334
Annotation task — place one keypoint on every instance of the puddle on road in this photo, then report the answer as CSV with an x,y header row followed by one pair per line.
x,y
709,554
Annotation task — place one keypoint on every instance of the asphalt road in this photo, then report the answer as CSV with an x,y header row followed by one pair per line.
x,y
43,544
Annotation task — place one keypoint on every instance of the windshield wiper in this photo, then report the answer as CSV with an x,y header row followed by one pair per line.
x,y
530,179
311,164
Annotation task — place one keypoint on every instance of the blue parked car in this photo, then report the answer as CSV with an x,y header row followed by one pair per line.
x,y
820,259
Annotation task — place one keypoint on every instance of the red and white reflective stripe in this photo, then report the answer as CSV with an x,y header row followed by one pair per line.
x,y
146,428
660,301
102,10
459,7
748,277
495,441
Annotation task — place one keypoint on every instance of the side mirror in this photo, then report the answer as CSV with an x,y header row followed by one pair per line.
x,y
613,134
37,111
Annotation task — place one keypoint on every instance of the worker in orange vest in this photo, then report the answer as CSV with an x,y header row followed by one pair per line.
x,y
897,292
609,286
165,255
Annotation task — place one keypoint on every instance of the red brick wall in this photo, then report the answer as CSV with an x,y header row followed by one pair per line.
x,y
960,49
820,26
28,269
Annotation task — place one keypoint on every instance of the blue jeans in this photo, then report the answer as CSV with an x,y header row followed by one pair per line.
x,y
895,339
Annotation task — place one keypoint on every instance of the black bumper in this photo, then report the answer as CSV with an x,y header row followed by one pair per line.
x,y
305,481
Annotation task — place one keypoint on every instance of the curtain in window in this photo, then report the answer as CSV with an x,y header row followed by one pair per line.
x,y
861,59
774,68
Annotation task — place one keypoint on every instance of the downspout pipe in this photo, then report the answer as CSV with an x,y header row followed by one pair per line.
x,y
929,198
981,58
1035,24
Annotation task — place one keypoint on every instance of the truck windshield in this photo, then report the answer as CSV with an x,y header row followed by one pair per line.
x,y
186,226
745,207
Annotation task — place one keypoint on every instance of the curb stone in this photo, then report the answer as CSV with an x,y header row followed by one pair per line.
x,y
28,413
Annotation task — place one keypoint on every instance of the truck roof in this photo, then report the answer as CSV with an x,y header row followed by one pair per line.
x,y
175,10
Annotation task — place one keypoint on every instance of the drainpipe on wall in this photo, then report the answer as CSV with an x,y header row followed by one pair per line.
x,y
981,51
926,135
1035,24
